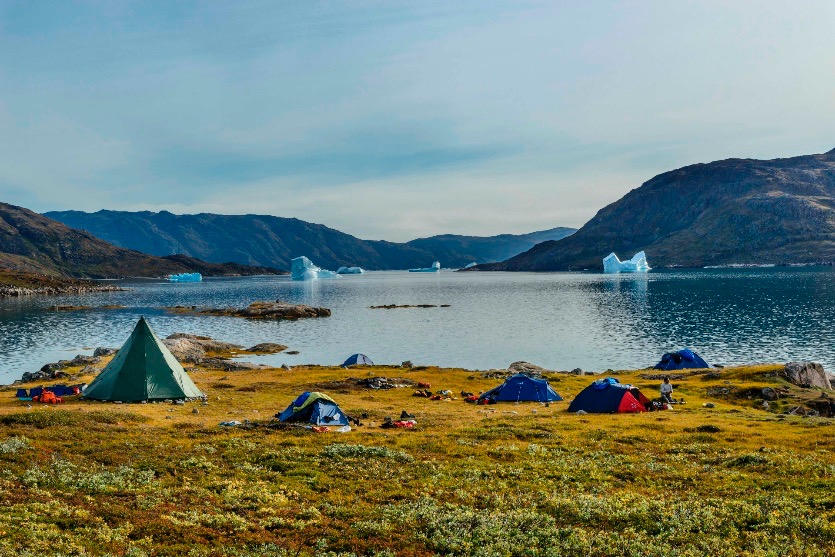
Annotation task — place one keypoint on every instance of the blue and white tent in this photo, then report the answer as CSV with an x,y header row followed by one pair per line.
x,y
358,360
314,408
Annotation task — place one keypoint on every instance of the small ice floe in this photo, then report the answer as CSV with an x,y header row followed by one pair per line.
x,y
435,268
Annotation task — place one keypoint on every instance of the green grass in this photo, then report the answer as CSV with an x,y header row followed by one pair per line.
x,y
506,480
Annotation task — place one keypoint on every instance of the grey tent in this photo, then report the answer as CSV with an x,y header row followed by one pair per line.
x,y
143,369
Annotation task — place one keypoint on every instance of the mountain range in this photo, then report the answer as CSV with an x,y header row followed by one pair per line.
x,y
33,243
273,241
734,211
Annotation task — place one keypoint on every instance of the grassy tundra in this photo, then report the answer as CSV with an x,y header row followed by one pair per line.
x,y
510,479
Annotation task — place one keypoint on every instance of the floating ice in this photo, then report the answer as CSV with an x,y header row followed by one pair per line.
x,y
303,268
436,267
638,264
470,265
350,271
186,277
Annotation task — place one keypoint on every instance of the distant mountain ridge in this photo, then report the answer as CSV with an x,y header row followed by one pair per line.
x,y
745,211
484,249
273,241
33,243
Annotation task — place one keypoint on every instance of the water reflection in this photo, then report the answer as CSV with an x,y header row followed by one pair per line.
x,y
560,321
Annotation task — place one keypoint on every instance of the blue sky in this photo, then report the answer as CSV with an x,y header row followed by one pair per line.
x,y
393,120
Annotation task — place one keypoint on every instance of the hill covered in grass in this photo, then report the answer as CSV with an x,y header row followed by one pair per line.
x,y
746,211
34,244
507,479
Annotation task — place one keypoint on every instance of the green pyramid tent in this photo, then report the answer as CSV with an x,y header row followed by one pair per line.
x,y
143,369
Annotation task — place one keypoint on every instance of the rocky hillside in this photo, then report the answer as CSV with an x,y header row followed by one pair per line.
x,y
33,243
274,241
746,211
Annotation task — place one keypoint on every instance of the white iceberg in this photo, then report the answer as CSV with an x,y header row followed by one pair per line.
x,y
470,265
435,268
186,277
638,264
350,271
303,268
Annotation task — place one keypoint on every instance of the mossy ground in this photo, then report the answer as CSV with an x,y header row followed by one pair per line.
x,y
88,478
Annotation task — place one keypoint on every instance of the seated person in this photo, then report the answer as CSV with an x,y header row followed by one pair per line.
x,y
667,391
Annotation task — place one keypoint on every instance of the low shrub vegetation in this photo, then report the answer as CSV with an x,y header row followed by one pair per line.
x,y
90,479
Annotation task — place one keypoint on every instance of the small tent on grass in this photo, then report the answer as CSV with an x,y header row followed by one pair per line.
x,y
358,360
608,395
314,408
521,388
143,369
683,359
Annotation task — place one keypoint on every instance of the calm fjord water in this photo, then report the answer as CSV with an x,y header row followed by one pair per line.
x,y
559,320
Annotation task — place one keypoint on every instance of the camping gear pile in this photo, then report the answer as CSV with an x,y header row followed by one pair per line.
x,y
35,394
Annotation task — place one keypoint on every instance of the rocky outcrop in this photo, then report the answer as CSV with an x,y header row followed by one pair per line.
x,y
207,352
807,374
527,368
194,349
56,370
267,348
272,310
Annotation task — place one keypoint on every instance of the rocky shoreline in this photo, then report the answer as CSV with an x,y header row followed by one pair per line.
x,y
15,284
9,291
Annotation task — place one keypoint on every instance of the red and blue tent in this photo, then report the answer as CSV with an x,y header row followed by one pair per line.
x,y
610,396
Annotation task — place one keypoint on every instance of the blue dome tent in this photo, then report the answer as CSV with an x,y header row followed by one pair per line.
x,y
683,359
314,408
358,360
519,388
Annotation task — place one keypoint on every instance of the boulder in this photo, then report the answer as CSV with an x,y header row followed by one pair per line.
x,y
102,351
527,368
807,374
769,393
267,348
194,348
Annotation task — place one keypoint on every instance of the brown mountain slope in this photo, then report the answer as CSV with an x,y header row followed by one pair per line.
x,y
32,243
731,211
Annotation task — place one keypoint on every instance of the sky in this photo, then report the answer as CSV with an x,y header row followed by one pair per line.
x,y
397,120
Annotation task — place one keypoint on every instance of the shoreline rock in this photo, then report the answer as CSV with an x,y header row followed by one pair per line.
x,y
277,310
395,306
807,374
